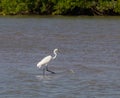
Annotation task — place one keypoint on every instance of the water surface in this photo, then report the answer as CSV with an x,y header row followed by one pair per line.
x,y
87,65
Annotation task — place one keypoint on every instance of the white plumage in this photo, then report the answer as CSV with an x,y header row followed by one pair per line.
x,y
46,60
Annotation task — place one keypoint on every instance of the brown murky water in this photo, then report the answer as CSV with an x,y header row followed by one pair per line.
x,y
87,65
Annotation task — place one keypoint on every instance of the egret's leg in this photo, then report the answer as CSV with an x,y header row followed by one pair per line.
x,y
49,70
44,71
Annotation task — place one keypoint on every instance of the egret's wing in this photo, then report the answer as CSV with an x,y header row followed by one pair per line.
x,y
44,61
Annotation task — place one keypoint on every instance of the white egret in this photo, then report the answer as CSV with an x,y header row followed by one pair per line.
x,y
44,62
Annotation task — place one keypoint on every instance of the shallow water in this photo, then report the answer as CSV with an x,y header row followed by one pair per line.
x,y
87,65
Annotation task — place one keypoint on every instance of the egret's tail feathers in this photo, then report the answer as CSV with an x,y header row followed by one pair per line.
x,y
39,65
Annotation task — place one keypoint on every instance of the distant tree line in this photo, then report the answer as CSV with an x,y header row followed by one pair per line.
x,y
60,7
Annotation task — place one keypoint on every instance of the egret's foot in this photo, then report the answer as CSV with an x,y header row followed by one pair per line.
x,y
50,71
53,72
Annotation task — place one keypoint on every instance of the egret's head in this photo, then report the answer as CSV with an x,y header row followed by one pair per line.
x,y
56,50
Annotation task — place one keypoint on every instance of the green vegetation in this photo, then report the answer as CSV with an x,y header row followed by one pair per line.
x,y
60,7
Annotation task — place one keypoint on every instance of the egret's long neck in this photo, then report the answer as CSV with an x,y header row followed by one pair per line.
x,y
55,54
